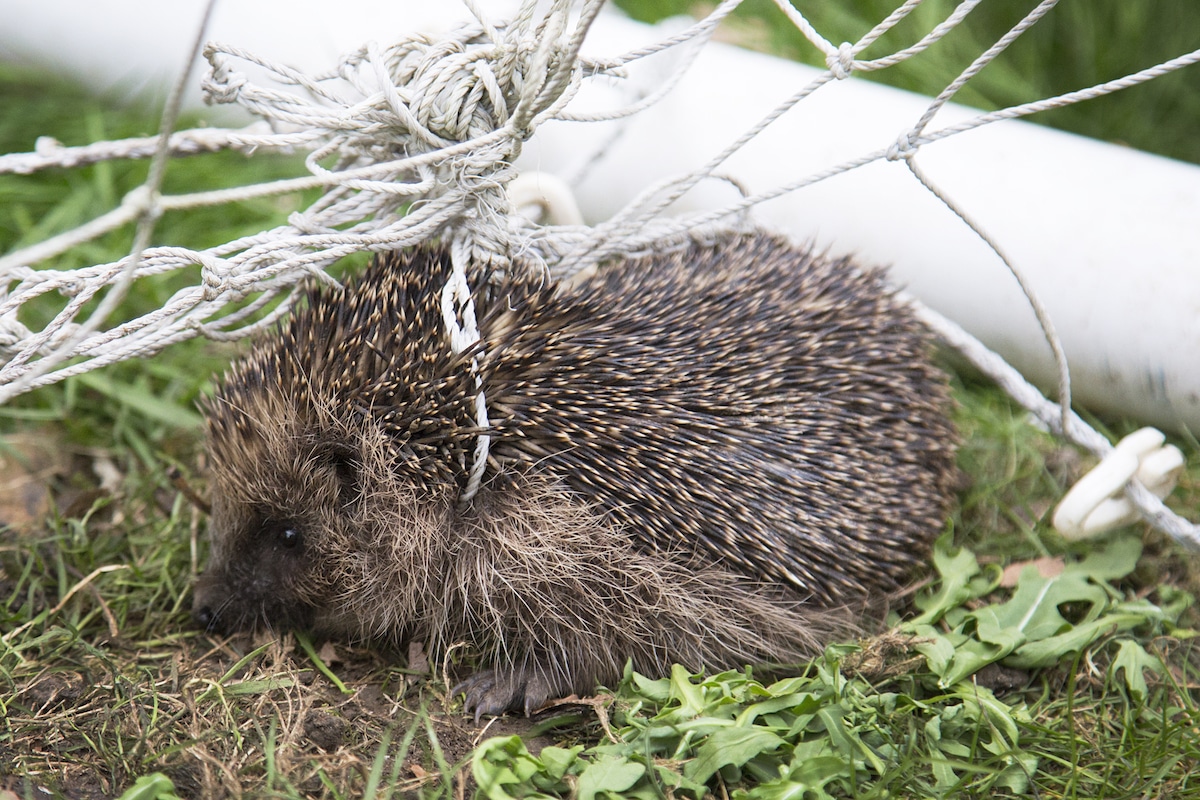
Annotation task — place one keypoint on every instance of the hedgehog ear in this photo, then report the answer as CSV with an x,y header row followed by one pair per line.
x,y
346,464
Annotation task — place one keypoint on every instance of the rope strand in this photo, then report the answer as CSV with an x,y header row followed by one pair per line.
x,y
411,139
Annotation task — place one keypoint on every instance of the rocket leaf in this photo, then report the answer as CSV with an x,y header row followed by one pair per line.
x,y
1132,660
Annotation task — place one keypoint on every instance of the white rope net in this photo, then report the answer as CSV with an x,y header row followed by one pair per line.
x,y
416,139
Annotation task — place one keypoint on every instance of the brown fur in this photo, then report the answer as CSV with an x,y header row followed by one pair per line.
x,y
696,458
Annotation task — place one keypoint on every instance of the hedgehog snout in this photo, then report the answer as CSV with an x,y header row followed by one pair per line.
x,y
207,601
205,618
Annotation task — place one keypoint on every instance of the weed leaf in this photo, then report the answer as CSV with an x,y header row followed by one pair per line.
x,y
608,774
151,787
730,746
1132,661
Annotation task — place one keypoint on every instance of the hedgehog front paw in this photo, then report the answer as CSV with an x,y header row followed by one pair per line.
x,y
492,692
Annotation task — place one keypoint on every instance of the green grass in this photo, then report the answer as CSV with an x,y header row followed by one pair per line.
x,y
855,725
104,686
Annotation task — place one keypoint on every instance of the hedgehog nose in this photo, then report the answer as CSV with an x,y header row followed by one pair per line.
x,y
205,617
204,606
207,597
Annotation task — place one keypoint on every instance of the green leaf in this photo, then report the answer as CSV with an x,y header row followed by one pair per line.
x,y
558,760
258,687
1033,609
937,648
689,695
658,691
155,786
1174,601
805,779
994,641
956,570
1015,777
1113,561
969,658
979,704
730,746
1056,648
608,774
847,741
667,776
1028,630
500,762
141,400
797,703
1133,660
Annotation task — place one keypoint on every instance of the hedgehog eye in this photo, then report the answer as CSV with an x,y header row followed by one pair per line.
x,y
289,537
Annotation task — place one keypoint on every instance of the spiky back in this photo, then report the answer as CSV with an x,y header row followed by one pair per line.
x,y
748,400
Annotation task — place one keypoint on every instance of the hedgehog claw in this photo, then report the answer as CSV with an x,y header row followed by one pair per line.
x,y
491,693
482,696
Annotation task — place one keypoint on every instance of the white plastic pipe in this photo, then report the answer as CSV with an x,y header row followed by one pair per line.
x,y
1109,237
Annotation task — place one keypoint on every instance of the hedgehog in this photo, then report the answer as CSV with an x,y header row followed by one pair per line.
x,y
702,456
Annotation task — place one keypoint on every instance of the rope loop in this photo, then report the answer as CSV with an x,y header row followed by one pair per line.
x,y
12,334
222,85
904,148
841,63
458,316
216,276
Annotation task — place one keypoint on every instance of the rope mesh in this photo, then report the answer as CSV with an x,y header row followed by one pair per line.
x,y
415,138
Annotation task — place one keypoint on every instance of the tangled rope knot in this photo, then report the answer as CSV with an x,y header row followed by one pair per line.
x,y
215,274
481,84
12,334
904,148
417,92
427,123
841,63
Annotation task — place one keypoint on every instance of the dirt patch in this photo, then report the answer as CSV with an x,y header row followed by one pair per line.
x,y
29,462
325,730
54,691
207,716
